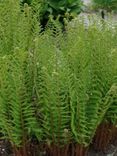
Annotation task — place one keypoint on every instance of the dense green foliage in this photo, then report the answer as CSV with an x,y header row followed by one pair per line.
x,y
64,9
17,117
92,72
55,86
15,27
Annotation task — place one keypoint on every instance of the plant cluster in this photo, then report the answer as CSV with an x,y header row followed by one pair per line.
x,y
62,9
56,88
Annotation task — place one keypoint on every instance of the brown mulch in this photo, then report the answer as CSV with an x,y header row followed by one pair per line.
x,y
5,150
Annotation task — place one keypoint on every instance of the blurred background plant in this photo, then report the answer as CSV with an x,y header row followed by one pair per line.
x,y
108,5
65,9
26,1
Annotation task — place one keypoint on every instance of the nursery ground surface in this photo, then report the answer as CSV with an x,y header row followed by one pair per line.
x,y
5,150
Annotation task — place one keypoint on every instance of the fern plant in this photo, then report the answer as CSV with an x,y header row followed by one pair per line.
x,y
54,86
17,115
73,84
15,27
89,78
106,128
110,119
111,114
52,96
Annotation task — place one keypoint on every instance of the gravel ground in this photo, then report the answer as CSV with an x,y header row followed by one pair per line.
x,y
86,1
110,151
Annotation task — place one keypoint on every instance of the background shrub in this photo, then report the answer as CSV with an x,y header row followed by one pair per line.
x,y
64,9
108,5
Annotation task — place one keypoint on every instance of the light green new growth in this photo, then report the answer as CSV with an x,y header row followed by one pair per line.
x,y
54,85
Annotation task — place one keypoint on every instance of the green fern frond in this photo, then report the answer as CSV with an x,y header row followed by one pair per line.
x,y
90,78
19,112
15,27
52,91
